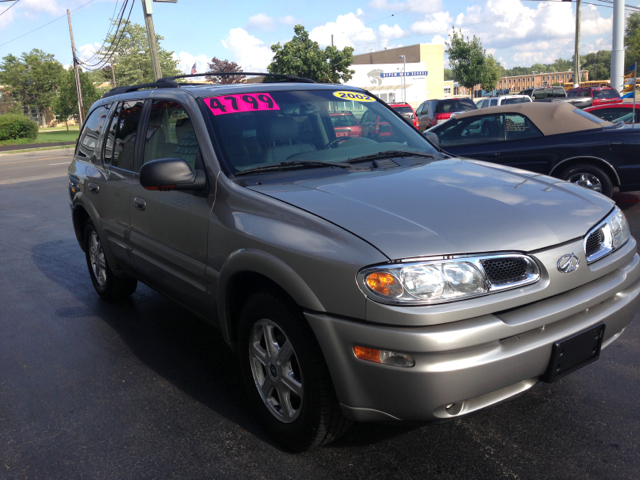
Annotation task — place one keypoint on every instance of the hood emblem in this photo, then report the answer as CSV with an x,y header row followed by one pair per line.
x,y
568,263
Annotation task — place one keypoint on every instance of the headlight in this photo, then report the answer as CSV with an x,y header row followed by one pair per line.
x,y
438,281
609,235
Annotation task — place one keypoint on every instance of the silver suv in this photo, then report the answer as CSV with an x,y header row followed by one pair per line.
x,y
370,278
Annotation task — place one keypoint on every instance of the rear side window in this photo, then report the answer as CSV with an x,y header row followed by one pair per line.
x,y
120,146
170,134
539,94
608,93
519,127
559,92
494,102
611,114
455,105
91,131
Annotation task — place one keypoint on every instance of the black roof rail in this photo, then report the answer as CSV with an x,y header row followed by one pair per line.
x,y
162,83
169,82
291,78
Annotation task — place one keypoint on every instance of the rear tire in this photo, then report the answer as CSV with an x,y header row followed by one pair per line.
x,y
589,176
104,281
285,374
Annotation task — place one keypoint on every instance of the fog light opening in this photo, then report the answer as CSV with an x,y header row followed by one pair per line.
x,y
384,357
454,408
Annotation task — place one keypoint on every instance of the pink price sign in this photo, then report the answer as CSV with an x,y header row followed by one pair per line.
x,y
247,102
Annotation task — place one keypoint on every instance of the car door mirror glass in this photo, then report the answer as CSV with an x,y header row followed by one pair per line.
x,y
433,138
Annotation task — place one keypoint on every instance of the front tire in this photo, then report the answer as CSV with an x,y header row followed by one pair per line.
x,y
104,281
589,176
285,374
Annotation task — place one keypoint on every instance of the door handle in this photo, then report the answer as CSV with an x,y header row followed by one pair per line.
x,y
139,203
93,187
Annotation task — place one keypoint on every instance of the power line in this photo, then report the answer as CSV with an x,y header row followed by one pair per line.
x,y
10,7
46,24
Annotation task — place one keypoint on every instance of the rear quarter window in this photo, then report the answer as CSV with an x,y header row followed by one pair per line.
x,y
88,143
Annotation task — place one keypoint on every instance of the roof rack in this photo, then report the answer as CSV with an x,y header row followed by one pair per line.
x,y
169,82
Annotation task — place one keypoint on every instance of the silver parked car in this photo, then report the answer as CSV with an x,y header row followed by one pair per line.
x,y
367,278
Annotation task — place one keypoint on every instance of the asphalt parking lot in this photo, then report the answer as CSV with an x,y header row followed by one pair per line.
x,y
141,389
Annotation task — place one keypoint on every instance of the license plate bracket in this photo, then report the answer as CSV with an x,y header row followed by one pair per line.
x,y
574,352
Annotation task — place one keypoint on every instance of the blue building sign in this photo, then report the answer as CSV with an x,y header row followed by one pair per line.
x,y
406,74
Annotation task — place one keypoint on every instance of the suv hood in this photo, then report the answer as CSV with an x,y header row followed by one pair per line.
x,y
451,206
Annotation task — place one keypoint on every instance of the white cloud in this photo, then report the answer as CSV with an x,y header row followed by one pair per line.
x,y
537,33
347,30
433,23
248,51
288,20
262,22
186,61
87,51
409,6
438,40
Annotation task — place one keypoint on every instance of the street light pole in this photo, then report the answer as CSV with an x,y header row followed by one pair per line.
x,y
151,35
404,77
576,62
617,50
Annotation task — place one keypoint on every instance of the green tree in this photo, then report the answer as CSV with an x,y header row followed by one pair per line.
x,y
448,74
303,57
598,64
32,79
491,73
66,104
632,40
469,62
132,59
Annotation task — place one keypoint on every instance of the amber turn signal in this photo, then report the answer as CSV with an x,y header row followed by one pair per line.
x,y
384,284
368,354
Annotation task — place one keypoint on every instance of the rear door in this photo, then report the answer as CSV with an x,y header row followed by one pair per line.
x,y
110,182
169,229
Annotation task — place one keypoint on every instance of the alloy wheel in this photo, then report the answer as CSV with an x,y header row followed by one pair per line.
x,y
586,180
97,259
276,371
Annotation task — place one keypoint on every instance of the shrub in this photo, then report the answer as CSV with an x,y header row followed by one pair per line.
x,y
13,127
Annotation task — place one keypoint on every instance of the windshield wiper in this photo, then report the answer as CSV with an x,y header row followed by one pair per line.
x,y
294,164
389,154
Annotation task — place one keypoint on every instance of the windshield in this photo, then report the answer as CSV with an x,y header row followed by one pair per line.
x,y
455,105
608,93
265,129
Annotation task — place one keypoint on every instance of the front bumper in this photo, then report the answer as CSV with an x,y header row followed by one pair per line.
x,y
471,363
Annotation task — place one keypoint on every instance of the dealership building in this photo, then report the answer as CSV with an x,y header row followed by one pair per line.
x,y
412,74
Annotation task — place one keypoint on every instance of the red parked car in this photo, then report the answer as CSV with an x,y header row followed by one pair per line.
x,y
615,112
593,96
407,112
345,124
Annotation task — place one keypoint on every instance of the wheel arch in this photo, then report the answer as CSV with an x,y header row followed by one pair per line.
x,y
596,161
80,217
247,271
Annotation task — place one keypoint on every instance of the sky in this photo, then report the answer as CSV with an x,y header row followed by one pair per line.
x,y
517,32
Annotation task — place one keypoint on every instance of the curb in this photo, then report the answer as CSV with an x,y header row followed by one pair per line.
x,y
9,148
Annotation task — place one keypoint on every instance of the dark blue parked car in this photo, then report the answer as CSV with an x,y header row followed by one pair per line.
x,y
549,138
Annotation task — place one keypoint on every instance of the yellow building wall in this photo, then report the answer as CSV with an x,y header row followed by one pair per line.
x,y
433,57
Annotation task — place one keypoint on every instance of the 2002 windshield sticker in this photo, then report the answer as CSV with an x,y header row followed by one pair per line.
x,y
248,102
358,97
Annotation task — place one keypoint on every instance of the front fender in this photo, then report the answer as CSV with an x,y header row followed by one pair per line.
x,y
270,267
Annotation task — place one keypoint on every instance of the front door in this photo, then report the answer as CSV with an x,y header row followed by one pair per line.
x,y
169,229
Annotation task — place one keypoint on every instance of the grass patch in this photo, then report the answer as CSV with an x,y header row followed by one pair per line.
x,y
46,137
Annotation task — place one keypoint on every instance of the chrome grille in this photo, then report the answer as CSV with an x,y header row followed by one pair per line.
x,y
594,242
501,271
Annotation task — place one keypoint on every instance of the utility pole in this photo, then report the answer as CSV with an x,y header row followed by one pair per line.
x,y
617,52
404,78
576,62
113,75
75,67
332,39
151,35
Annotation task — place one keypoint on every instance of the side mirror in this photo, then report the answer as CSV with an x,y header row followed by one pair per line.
x,y
432,137
171,174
